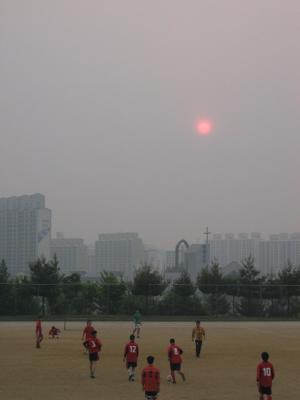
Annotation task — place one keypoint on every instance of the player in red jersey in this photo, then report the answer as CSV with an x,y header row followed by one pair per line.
x,y
131,353
94,345
264,377
175,359
87,333
150,380
54,333
38,332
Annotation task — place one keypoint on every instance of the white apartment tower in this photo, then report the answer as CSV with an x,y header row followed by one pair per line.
x,y
270,256
71,253
229,248
278,251
170,259
119,253
25,231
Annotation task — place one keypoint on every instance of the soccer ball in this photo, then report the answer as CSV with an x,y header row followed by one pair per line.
x,y
169,378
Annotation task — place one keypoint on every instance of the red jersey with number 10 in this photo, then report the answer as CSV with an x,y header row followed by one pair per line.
x,y
265,374
131,352
174,354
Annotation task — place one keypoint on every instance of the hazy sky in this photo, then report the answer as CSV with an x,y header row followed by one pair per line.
x,y
99,101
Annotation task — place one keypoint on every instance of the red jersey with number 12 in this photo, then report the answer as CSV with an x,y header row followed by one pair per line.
x,y
174,354
131,352
265,374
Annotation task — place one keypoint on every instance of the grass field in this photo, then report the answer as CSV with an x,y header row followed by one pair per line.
x,y
226,370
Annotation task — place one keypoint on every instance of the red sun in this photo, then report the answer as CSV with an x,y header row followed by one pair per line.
x,y
204,127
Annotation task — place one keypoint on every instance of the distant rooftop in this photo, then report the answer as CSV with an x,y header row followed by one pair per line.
x,y
118,236
24,202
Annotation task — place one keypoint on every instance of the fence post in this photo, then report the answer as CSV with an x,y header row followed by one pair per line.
x,y
233,302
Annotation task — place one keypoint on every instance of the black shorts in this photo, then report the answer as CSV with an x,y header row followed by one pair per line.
x,y
175,367
94,356
265,390
151,395
131,364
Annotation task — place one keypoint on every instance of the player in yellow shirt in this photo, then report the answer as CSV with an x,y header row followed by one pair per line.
x,y
198,335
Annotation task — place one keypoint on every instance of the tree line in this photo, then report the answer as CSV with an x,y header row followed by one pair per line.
x,y
246,293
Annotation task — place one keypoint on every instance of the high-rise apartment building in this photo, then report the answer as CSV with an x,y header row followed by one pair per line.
x,y
278,251
170,259
92,261
120,253
25,231
196,258
269,255
229,248
72,254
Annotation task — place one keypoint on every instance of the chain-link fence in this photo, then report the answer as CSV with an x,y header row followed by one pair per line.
x,y
100,300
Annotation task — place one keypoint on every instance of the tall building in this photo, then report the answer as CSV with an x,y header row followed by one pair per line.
x,y
92,261
278,251
270,256
196,258
170,259
234,249
72,254
25,231
156,258
120,253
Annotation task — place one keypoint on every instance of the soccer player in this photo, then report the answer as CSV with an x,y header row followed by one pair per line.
x,y
264,377
87,333
198,335
131,353
175,359
137,323
94,346
38,332
150,380
54,333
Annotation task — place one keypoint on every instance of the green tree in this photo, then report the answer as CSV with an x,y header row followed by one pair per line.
x,y
181,298
273,296
147,285
5,290
87,301
68,295
211,282
25,300
112,291
4,275
148,282
289,279
210,275
248,273
183,286
45,277
173,304
250,289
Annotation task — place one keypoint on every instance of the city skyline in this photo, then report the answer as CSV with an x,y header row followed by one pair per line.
x,y
102,109
203,235
25,235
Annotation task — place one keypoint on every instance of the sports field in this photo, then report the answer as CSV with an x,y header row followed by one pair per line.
x,y
226,370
